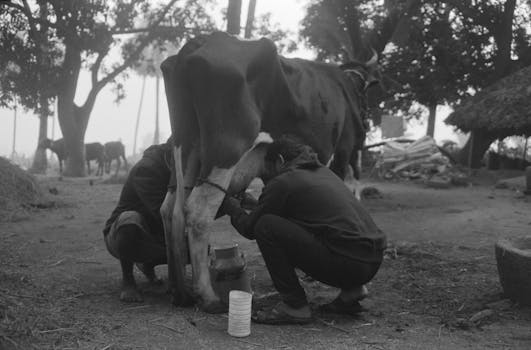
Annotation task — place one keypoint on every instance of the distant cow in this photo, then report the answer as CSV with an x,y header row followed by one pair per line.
x,y
57,147
227,100
114,150
95,151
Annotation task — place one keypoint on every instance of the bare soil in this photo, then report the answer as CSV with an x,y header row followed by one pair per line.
x,y
59,286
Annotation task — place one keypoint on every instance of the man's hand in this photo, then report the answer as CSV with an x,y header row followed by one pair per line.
x,y
248,202
230,206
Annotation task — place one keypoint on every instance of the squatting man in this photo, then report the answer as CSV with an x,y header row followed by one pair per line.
x,y
305,218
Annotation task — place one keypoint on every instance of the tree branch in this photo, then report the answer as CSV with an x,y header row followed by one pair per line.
x,y
143,43
31,19
96,67
153,29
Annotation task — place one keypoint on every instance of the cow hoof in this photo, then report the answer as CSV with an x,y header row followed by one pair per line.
x,y
131,295
214,307
182,299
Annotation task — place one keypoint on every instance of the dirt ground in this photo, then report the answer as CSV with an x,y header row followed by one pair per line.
x,y
59,286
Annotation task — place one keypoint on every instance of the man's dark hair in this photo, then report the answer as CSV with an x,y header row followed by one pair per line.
x,y
288,146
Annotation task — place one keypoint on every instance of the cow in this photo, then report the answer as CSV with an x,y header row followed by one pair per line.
x,y
57,147
228,99
114,150
95,151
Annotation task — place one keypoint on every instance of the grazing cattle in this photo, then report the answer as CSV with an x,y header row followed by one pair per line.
x,y
57,147
114,150
227,100
95,151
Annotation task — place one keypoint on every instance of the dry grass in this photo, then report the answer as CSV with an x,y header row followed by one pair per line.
x,y
17,189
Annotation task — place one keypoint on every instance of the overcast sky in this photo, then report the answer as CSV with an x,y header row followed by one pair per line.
x,y
110,121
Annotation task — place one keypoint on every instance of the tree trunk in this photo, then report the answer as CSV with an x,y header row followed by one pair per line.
x,y
156,137
40,162
74,136
250,19
73,121
138,113
234,11
53,132
480,142
432,117
504,40
13,150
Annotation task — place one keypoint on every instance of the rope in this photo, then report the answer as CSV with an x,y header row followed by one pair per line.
x,y
206,181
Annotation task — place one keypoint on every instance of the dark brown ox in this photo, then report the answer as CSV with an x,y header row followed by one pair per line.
x,y
114,150
95,151
227,100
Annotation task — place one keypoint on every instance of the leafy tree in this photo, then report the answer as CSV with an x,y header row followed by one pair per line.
x,y
430,65
499,39
345,30
442,50
53,40
28,58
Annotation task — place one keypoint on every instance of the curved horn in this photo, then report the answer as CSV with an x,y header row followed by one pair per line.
x,y
373,60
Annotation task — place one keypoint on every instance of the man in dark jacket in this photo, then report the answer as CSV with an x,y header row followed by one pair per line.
x,y
307,218
134,233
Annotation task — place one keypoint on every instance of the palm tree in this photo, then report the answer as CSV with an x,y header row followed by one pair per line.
x,y
250,19
151,67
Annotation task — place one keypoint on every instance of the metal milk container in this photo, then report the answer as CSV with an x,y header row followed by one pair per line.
x,y
228,271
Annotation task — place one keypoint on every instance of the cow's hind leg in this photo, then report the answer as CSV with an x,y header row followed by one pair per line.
x,y
201,208
172,212
126,166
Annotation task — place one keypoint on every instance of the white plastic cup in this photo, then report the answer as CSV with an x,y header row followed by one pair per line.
x,y
239,313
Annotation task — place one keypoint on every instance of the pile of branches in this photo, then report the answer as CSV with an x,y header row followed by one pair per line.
x,y
418,160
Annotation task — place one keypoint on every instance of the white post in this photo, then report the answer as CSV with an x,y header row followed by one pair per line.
x,y
13,149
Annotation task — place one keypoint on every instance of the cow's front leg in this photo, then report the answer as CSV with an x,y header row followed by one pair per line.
x,y
201,208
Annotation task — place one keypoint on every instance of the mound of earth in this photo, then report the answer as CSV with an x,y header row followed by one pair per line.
x,y
17,189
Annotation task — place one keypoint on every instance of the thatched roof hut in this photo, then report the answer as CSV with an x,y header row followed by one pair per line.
x,y
502,109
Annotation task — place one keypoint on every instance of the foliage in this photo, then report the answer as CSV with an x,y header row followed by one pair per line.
x,y
25,73
56,39
503,108
282,38
434,51
40,37
431,65
344,30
